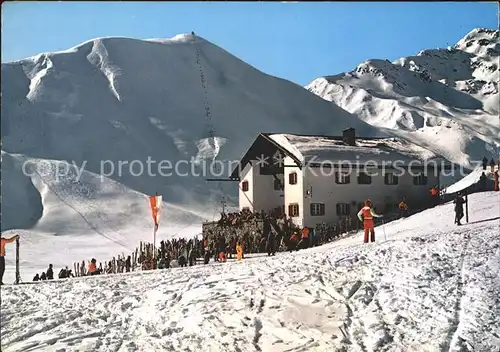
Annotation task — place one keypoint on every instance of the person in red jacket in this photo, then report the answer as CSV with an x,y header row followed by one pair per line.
x,y
366,215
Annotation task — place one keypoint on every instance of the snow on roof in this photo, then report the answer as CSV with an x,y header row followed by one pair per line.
x,y
332,148
469,180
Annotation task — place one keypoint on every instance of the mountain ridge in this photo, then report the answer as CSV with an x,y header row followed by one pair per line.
x,y
121,99
444,99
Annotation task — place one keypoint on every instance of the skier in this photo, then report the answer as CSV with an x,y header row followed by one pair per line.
x,y
182,260
206,257
93,267
304,241
109,268
495,182
192,256
239,251
482,182
434,192
3,242
459,208
128,264
403,209
50,273
485,163
492,165
161,263
63,273
366,215
271,244
292,243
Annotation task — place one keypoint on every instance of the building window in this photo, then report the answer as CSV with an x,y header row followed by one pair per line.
x,y
364,178
343,209
317,209
293,210
420,180
292,178
342,178
277,185
244,186
390,179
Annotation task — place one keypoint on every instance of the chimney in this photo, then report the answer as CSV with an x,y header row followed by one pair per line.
x,y
349,136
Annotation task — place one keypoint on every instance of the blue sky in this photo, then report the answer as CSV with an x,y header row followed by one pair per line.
x,y
296,41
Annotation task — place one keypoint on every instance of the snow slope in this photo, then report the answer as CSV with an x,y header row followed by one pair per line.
x,y
81,216
446,100
425,286
469,180
112,100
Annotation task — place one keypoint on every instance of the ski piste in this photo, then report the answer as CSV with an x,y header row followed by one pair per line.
x,y
468,180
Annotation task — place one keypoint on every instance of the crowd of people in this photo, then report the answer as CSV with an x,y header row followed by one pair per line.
x,y
49,274
231,238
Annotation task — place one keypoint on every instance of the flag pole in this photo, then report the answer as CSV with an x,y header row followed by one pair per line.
x,y
154,234
466,207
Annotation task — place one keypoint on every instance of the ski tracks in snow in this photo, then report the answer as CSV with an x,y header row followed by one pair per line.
x,y
417,294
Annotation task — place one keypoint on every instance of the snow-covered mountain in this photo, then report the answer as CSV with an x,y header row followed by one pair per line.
x,y
446,100
122,99
426,285
130,101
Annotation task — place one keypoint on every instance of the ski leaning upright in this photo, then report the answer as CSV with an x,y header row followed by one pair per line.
x,y
18,275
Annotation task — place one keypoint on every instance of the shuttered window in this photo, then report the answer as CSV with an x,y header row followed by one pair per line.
x,y
390,179
364,179
317,209
342,178
343,209
293,210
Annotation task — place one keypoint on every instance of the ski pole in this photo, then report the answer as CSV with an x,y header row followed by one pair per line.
x,y
383,229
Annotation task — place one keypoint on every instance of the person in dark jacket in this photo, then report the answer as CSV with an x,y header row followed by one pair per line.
x,y
459,208
492,165
43,277
128,264
50,273
36,278
271,244
161,263
192,257
485,163
63,273
482,182
206,258
168,259
182,261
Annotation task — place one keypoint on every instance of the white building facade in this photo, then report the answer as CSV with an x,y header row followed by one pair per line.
x,y
321,179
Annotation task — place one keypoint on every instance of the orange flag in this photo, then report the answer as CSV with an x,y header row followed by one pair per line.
x,y
155,209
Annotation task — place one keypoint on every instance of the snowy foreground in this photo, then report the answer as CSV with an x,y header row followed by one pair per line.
x,y
429,286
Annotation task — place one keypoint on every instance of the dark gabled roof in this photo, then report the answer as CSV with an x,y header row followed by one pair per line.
x,y
263,145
